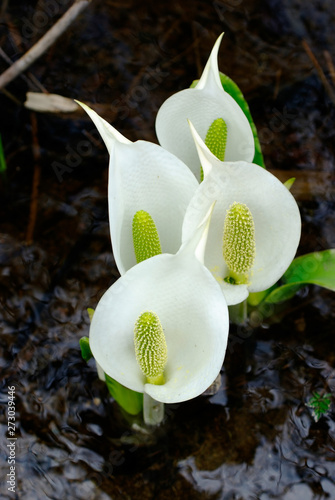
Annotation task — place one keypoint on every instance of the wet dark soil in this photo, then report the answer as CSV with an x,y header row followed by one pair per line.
x,y
256,438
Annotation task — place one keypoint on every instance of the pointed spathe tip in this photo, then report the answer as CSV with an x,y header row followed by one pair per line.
x,y
196,243
203,151
204,228
210,74
218,41
108,133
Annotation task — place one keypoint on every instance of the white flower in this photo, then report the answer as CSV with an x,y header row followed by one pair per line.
x,y
255,226
179,293
202,105
143,177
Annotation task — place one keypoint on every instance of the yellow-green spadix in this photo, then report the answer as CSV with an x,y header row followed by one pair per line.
x,y
150,347
272,224
145,236
202,105
178,291
215,140
239,247
143,177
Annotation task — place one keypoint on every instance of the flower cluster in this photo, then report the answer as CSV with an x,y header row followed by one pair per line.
x,y
195,226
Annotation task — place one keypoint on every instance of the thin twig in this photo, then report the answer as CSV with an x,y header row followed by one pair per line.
x,y
11,96
44,43
330,65
318,68
36,180
30,79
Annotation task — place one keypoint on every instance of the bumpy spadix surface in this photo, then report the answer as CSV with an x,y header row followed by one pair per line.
x,y
191,308
239,239
216,138
145,236
203,104
274,211
150,347
143,176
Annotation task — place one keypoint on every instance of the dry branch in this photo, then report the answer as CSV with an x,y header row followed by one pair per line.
x,y
44,43
320,71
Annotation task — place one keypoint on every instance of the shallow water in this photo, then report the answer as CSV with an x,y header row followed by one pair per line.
x,y
256,438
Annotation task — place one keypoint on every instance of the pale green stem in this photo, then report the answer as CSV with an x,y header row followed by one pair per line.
x,y
238,313
153,411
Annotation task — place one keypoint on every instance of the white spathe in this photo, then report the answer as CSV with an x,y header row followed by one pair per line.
x,y
193,313
143,176
275,213
203,104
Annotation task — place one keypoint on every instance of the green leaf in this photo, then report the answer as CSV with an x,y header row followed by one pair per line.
x,y
3,164
289,183
234,91
90,313
284,292
130,401
86,352
320,404
316,268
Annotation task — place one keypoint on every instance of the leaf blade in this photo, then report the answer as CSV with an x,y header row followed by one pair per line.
x,y
234,91
315,268
130,401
